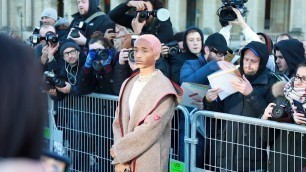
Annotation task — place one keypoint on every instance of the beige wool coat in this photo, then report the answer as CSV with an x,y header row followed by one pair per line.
x,y
143,137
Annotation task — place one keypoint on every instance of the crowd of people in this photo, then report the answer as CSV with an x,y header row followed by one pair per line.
x,y
124,53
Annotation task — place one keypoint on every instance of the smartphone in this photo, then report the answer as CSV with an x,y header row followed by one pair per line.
x,y
299,107
54,162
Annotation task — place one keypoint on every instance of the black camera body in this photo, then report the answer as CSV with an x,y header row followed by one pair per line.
x,y
282,109
161,14
35,38
51,38
52,80
130,55
78,27
173,48
226,12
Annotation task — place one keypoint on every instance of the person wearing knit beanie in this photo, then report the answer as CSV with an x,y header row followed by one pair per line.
x,y
49,16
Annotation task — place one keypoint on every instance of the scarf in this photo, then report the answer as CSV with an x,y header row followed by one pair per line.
x,y
297,94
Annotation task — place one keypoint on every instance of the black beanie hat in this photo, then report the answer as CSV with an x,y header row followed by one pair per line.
x,y
68,44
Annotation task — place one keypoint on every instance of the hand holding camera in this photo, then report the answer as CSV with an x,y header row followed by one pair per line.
x,y
239,21
110,34
65,89
123,56
52,50
77,36
137,25
92,55
299,118
268,111
139,5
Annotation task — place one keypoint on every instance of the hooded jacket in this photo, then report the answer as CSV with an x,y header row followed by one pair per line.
x,y
245,158
293,52
263,54
178,60
100,23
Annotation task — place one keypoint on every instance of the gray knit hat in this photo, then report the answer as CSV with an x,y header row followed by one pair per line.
x,y
49,12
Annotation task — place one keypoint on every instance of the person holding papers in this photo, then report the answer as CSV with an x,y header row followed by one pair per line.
x,y
252,96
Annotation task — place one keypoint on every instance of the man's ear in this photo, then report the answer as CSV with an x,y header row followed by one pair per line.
x,y
206,50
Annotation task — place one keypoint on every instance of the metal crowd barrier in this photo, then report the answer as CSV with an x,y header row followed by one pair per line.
x,y
238,143
80,128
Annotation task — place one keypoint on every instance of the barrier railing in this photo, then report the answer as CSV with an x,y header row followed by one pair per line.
x,y
239,143
81,129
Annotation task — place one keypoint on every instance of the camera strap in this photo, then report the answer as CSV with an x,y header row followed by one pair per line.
x,y
99,13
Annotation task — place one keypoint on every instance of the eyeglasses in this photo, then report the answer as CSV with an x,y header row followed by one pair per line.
x,y
218,53
302,79
72,52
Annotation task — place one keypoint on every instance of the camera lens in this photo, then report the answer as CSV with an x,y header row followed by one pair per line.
x,y
131,56
173,51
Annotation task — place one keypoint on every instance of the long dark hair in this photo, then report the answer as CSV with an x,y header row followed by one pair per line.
x,y
23,107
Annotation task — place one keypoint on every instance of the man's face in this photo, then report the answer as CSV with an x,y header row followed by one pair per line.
x,y
250,63
281,62
144,54
83,6
48,21
194,42
71,55
300,78
213,54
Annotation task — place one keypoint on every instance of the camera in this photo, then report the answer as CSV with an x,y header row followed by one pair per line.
x,y
282,109
77,27
130,55
35,38
161,14
226,12
173,48
51,38
103,58
52,80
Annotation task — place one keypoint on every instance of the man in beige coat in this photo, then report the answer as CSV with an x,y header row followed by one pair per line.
x,y
142,124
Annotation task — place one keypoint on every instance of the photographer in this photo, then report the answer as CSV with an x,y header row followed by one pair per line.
x,y
125,65
254,94
152,25
93,18
174,47
161,29
47,50
99,62
289,143
76,81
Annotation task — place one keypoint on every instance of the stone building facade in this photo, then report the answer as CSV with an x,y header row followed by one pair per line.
x,y
270,16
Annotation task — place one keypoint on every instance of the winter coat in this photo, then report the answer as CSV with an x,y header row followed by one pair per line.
x,y
196,71
143,137
293,53
242,148
100,23
162,30
252,105
84,83
176,62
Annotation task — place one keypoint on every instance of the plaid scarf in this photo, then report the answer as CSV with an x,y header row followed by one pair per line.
x,y
297,94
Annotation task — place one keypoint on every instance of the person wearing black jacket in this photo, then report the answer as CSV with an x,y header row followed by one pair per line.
x,y
196,43
102,22
288,55
162,30
72,74
241,148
